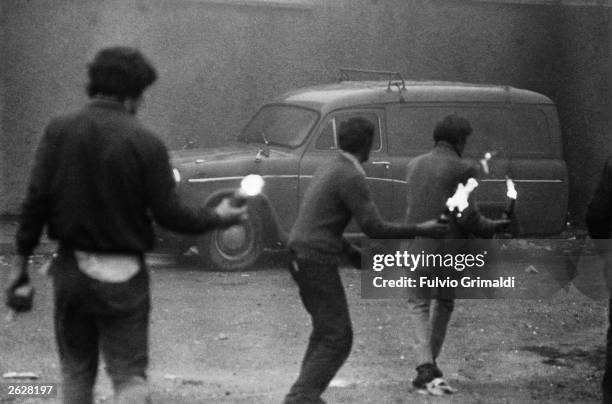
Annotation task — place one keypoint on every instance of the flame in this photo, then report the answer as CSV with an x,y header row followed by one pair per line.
x,y
251,185
484,162
511,193
459,200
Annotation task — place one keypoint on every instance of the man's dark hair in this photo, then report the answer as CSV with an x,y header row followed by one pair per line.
x,y
121,72
355,135
453,129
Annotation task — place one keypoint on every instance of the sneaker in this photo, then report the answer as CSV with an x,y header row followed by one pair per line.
x,y
426,372
439,387
318,400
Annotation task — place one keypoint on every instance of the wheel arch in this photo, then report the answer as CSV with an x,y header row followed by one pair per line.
x,y
274,236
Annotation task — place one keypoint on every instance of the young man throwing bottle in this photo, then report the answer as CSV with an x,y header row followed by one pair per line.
x,y
337,194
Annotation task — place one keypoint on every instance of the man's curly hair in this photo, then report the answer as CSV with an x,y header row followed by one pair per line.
x,y
355,135
121,72
453,128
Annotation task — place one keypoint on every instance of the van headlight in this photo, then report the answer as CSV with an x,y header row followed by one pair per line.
x,y
177,174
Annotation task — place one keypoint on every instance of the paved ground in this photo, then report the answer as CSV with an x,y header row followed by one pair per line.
x,y
239,337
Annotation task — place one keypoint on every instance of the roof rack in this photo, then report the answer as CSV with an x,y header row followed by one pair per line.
x,y
344,75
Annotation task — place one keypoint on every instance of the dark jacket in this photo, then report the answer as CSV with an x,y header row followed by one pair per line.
x,y
431,179
337,193
99,177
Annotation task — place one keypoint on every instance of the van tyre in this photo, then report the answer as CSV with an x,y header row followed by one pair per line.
x,y
235,248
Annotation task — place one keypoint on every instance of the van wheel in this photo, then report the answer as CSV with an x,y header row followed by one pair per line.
x,y
235,248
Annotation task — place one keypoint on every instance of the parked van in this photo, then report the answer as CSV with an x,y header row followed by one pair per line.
x,y
288,138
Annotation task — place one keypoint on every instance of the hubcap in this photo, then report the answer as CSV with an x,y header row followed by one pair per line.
x,y
234,242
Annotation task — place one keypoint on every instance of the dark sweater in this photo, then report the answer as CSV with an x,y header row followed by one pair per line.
x,y
97,179
431,179
337,193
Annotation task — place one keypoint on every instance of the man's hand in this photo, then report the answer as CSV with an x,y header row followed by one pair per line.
x,y
230,215
19,293
431,228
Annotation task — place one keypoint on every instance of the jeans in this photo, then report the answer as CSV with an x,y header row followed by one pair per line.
x,y
93,316
331,339
431,322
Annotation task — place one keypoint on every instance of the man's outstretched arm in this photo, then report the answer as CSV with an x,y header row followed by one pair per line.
x,y
356,196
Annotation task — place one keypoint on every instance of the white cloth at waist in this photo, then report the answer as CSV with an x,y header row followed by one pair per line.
x,y
113,268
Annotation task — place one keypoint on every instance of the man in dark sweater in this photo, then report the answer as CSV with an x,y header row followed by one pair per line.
x,y
337,193
99,177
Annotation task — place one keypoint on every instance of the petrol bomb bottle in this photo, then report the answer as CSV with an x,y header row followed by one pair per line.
x,y
484,162
511,195
250,186
456,204
20,300
23,297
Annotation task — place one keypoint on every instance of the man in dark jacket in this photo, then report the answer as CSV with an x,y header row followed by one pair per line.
x,y
337,193
599,224
99,177
431,179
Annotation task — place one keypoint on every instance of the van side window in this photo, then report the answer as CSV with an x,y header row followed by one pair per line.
x,y
489,124
531,132
415,130
491,130
328,138
370,116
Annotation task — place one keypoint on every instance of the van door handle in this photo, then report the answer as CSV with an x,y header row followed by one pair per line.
x,y
381,163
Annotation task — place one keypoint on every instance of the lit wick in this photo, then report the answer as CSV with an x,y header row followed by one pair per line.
x,y
511,194
250,186
484,162
457,203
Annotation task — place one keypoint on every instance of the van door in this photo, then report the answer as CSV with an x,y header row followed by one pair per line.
x,y
538,168
324,146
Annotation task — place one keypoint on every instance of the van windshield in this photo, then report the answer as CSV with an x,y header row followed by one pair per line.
x,y
281,125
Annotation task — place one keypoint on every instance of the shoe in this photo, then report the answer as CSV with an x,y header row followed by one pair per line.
x,y
439,387
318,400
426,372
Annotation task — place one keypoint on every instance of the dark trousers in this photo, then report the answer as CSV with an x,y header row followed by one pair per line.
x,y
92,316
331,339
607,378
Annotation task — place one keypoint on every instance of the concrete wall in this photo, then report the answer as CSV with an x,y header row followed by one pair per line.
x,y
218,60
2,157
2,92
584,95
